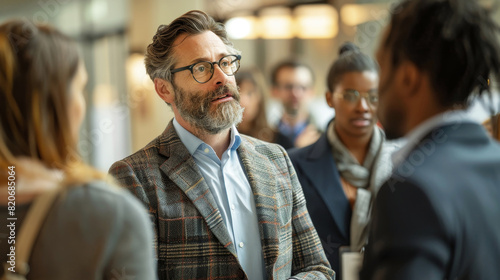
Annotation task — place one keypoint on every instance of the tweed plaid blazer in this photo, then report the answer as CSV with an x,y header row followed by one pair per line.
x,y
192,241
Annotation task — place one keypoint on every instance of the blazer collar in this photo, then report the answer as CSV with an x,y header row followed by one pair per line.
x,y
322,172
181,168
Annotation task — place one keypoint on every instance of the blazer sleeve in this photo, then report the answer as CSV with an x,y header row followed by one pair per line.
x,y
127,177
407,239
309,259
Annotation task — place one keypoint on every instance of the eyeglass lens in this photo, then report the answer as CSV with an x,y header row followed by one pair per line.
x,y
353,96
203,71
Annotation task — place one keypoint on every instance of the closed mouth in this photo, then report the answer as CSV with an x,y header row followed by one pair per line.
x,y
361,119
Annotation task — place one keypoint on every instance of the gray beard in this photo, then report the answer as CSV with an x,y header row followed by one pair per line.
x,y
196,109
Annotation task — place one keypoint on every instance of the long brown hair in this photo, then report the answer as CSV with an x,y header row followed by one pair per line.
x,y
260,128
37,66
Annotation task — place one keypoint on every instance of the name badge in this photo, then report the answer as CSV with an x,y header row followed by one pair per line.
x,y
350,263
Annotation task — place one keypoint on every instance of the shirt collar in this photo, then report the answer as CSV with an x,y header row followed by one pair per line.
x,y
414,136
192,142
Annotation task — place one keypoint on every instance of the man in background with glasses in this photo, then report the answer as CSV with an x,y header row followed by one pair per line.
x,y
224,205
293,88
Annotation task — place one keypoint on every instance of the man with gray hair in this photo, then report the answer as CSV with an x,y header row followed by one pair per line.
x,y
224,205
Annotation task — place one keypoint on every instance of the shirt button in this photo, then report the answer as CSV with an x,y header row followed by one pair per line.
x,y
241,244
206,150
232,206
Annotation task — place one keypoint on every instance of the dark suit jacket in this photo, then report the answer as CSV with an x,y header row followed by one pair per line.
x,y
326,202
192,241
438,217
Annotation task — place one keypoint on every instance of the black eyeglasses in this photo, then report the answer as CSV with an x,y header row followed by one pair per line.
x,y
353,96
203,71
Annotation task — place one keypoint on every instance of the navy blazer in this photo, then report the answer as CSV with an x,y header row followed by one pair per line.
x,y
325,198
438,216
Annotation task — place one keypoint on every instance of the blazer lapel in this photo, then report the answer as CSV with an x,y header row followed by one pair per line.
x,y
181,168
263,183
327,183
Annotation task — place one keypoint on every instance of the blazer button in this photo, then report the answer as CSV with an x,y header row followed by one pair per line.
x,y
241,274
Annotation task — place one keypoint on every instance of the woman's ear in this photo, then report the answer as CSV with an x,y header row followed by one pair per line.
x,y
164,90
329,99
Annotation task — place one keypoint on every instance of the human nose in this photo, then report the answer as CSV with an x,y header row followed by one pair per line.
x,y
363,103
297,91
219,77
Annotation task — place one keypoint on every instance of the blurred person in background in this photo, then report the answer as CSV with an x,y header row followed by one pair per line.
x,y
437,217
94,230
293,87
341,172
252,88
224,205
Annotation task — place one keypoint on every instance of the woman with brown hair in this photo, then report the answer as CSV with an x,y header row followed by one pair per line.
x,y
93,230
252,90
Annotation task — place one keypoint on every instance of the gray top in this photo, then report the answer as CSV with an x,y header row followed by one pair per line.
x,y
93,232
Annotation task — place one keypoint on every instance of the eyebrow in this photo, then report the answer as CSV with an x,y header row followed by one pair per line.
x,y
203,59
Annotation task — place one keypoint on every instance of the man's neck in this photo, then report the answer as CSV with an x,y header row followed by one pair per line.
x,y
295,119
219,142
423,110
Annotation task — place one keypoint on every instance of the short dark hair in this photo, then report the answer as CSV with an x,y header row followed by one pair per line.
x,y
350,59
291,63
159,57
453,41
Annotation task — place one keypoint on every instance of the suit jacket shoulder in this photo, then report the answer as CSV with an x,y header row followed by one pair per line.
x,y
438,212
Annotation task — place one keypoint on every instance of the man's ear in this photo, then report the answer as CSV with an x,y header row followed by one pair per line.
x,y
164,90
329,99
410,78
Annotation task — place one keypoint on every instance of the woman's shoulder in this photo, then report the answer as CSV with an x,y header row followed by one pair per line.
x,y
101,222
101,201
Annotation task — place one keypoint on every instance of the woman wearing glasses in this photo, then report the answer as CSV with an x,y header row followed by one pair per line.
x,y
342,171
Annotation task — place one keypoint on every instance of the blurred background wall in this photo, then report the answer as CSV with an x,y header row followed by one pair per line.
x,y
123,111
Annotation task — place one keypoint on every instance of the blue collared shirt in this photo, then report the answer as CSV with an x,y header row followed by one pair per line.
x,y
232,192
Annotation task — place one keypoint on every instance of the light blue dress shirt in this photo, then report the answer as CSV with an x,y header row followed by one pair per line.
x,y
232,192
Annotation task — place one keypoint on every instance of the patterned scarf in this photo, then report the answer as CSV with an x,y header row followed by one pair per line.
x,y
367,178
